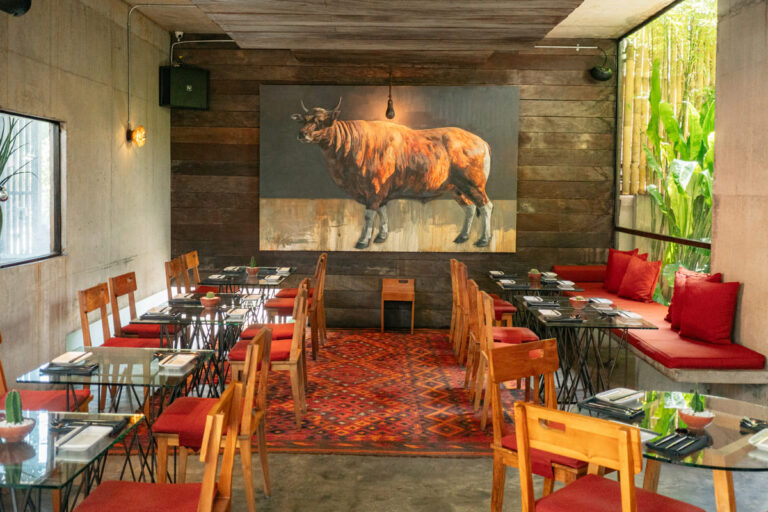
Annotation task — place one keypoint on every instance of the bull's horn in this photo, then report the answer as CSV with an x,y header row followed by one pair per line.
x,y
339,105
302,106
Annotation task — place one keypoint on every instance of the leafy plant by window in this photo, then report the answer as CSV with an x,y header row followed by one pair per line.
x,y
9,135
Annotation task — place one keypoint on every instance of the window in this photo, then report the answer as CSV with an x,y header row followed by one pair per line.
x,y
666,136
29,189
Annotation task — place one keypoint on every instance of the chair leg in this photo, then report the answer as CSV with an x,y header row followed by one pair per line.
x,y
499,479
261,435
549,486
181,477
296,391
162,459
479,381
244,443
486,401
314,334
55,500
470,365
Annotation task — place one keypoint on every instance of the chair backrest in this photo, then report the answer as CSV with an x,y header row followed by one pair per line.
x,y
300,319
474,306
454,282
96,297
191,263
174,274
528,361
124,284
462,286
318,281
225,412
598,442
255,376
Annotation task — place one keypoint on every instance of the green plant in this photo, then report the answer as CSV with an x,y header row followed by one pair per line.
x,y
534,271
681,158
253,262
13,407
697,401
210,295
9,134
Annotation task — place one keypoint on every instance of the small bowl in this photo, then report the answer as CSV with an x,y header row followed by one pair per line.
x,y
210,302
16,433
578,304
252,271
696,422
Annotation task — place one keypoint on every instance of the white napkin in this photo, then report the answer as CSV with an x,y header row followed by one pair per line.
x,y
238,312
189,295
273,277
532,298
253,297
630,314
496,273
177,360
232,269
217,276
565,283
284,270
549,313
507,282
71,357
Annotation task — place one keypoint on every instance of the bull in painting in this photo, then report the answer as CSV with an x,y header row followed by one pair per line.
x,y
378,161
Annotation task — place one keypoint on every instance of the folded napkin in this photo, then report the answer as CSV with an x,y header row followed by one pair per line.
x,y
234,269
252,297
550,313
217,276
532,298
71,358
600,300
175,361
273,277
284,270
507,282
496,273
189,295
630,314
237,313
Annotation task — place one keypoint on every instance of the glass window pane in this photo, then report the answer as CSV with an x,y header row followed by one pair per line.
x,y
28,184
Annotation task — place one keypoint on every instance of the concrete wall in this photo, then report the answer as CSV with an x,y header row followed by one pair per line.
x,y
66,60
739,233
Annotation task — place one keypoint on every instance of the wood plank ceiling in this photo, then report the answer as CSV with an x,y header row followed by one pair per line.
x,y
404,25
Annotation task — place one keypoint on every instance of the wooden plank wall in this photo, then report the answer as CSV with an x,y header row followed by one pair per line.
x,y
566,167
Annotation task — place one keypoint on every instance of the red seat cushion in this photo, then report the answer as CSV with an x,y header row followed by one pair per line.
x,y
146,330
674,351
640,278
541,461
283,306
279,331
141,497
185,416
50,400
513,335
599,494
678,295
708,310
289,293
585,273
280,351
617,267
133,343
205,289
500,308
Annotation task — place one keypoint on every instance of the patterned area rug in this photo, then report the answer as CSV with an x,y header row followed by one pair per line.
x,y
379,394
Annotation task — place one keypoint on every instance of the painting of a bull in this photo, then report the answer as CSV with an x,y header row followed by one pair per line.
x,y
378,161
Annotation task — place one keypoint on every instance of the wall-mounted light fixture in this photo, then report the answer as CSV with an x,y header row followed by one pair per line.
x,y
138,136
601,73
390,108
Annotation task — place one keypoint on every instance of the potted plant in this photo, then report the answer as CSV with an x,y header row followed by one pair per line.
x,y
252,269
8,138
695,415
210,300
578,302
534,275
14,427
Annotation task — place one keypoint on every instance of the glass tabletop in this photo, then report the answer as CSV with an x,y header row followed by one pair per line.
x,y
588,317
515,283
267,276
124,367
186,309
38,462
728,445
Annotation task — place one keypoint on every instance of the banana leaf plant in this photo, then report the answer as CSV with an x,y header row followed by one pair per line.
x,y
9,134
682,163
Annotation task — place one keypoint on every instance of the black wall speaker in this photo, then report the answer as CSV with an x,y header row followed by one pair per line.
x,y
184,87
15,7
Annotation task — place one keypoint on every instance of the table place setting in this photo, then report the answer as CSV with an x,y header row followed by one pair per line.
x,y
233,270
565,285
71,363
506,282
540,302
619,403
159,313
283,271
177,362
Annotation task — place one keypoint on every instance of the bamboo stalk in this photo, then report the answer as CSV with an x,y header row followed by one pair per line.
x,y
637,120
628,100
644,114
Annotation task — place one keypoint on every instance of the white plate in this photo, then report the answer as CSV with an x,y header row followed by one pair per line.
x,y
549,313
532,298
760,440
86,438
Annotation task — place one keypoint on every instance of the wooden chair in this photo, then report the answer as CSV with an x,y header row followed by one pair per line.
x,y
601,444
213,494
125,285
174,276
184,419
492,336
281,308
454,300
461,331
191,263
47,400
528,362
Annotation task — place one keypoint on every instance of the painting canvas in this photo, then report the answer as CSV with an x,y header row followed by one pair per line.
x,y
337,175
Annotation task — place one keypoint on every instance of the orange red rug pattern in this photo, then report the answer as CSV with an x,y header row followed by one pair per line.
x,y
380,394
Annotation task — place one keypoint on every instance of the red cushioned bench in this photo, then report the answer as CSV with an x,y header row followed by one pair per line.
x,y
679,358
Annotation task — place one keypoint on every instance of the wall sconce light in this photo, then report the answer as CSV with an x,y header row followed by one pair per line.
x,y
390,108
138,136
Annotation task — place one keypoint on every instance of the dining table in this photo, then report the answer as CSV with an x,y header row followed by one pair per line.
x,y
586,339
235,279
66,453
133,369
736,440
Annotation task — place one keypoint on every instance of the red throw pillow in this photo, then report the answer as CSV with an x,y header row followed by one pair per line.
x,y
640,279
678,294
708,310
617,266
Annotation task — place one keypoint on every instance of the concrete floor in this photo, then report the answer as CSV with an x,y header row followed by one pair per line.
x,y
334,483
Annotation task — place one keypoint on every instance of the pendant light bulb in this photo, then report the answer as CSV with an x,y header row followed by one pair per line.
x,y
390,108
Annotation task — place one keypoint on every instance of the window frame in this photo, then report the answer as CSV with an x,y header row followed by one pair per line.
x,y
56,191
